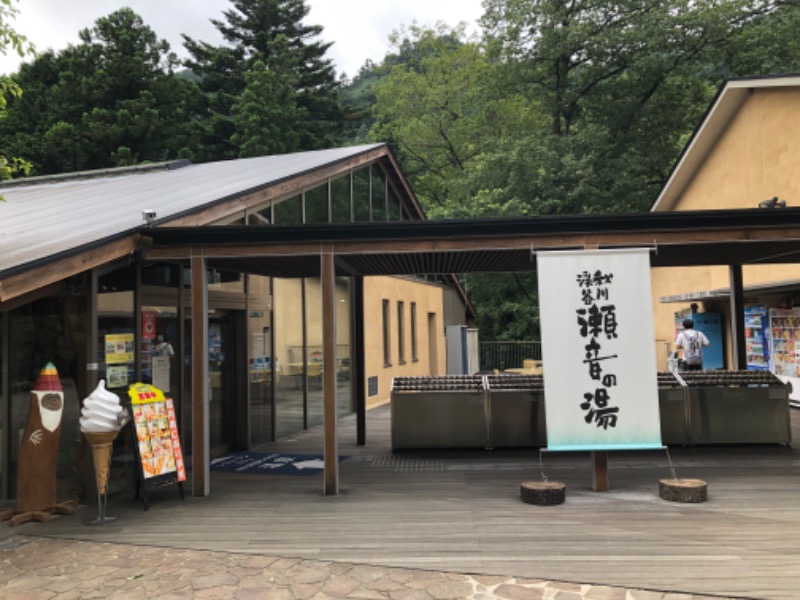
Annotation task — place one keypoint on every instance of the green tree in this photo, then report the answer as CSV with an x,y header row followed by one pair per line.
x,y
266,116
439,108
621,82
11,40
251,29
111,100
568,106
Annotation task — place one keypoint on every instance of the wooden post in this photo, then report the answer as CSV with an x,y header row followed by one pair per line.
x,y
328,282
201,476
5,412
600,470
739,350
357,361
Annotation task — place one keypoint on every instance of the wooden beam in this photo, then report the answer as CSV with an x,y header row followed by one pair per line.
x,y
58,270
329,373
476,243
201,476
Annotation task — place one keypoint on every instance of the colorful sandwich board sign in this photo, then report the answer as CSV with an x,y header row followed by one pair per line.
x,y
157,443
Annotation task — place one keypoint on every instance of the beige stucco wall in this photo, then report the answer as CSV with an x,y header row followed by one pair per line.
x,y
429,300
757,157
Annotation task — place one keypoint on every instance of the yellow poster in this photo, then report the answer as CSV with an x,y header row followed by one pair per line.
x,y
119,348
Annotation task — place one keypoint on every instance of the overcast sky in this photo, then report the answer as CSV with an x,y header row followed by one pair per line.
x,y
358,28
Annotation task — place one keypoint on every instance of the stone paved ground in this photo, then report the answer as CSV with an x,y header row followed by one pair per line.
x,y
40,569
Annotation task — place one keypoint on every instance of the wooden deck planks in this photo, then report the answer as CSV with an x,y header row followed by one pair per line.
x,y
461,511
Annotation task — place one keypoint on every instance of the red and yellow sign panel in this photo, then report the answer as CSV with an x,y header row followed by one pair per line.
x,y
156,432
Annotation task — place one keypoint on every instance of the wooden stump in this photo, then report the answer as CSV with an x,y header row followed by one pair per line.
x,y
543,493
683,490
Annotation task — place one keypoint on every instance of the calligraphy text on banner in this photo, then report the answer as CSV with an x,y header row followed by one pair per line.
x,y
598,350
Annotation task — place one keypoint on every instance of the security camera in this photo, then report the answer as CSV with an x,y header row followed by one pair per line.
x,y
148,215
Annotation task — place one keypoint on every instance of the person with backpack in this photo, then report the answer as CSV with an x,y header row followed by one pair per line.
x,y
691,342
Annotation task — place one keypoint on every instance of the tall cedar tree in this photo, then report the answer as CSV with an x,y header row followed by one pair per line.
x,y
251,29
111,100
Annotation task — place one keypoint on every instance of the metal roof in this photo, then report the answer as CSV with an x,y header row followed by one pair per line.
x,y
52,216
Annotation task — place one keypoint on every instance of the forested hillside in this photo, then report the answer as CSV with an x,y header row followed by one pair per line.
x,y
560,107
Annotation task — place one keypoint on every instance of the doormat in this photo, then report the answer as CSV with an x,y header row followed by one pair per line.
x,y
270,463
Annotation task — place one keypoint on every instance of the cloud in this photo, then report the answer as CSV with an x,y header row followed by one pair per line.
x,y
359,29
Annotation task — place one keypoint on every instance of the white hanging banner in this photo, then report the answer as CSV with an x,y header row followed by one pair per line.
x,y
599,358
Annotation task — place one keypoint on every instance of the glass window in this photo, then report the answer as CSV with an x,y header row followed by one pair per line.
x,y
47,331
261,217
317,204
117,333
387,353
393,206
361,195
288,307
262,368
289,211
340,199
401,338
378,195
225,281
414,355
345,398
314,356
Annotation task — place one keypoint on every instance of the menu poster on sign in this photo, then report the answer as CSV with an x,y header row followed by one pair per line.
x,y
157,442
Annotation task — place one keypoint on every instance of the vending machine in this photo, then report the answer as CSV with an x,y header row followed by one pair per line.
x,y
710,323
756,330
784,338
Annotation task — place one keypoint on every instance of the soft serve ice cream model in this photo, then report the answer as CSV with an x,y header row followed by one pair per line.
x,y
102,416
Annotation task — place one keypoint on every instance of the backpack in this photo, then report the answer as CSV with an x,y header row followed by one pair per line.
x,y
692,351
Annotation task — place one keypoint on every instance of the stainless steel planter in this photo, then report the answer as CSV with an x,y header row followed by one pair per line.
x,y
439,412
516,411
737,407
495,411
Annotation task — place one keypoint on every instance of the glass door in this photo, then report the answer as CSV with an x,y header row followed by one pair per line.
x,y
223,383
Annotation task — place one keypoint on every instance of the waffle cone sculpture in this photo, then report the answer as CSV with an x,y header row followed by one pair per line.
x,y
101,444
100,424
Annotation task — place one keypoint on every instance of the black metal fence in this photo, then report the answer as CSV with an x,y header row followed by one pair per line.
x,y
507,355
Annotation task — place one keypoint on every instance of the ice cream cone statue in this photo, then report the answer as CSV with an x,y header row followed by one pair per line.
x,y
38,453
102,416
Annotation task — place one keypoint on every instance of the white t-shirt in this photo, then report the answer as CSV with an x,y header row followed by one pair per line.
x,y
692,342
164,349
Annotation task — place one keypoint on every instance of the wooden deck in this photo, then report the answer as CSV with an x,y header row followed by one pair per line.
x,y
461,511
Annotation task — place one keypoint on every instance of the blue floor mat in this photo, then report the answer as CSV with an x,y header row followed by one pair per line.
x,y
270,463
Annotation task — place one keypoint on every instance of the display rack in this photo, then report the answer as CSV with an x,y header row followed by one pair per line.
x,y
756,334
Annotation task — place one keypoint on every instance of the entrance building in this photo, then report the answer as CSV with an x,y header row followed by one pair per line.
x,y
78,290
289,302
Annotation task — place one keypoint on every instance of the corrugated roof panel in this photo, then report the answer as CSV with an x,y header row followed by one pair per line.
x,y
46,219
